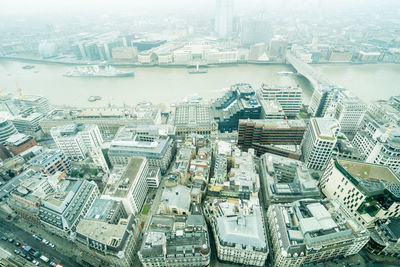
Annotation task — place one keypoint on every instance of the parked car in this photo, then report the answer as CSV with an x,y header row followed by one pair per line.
x,y
45,241
10,240
29,258
52,264
35,262
4,238
17,244
22,255
52,245
17,252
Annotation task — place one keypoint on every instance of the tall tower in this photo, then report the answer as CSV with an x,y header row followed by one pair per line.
x,y
224,18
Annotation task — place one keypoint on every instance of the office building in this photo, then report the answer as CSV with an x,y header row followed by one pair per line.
x,y
194,118
175,200
344,149
39,104
176,240
349,113
224,18
29,191
28,123
319,142
239,231
290,98
77,140
236,104
7,129
271,110
61,210
153,177
107,232
385,238
50,162
370,191
310,231
285,180
157,150
18,143
109,120
322,99
273,136
379,145
130,186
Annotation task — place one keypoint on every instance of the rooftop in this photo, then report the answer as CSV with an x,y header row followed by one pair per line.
x,y
18,139
120,186
176,196
326,128
277,123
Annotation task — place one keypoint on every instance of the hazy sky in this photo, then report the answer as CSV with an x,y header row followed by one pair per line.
x,y
75,6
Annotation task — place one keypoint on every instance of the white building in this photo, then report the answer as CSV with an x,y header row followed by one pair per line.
x,y
370,191
76,141
130,186
319,142
380,145
224,18
349,112
239,231
290,98
28,123
7,129
309,231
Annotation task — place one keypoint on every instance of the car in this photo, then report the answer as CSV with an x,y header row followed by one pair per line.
x,y
22,255
23,246
10,240
34,236
52,264
17,244
35,262
29,258
17,252
4,238
52,245
45,241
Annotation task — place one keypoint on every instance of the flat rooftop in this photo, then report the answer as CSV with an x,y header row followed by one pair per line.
x,y
325,128
369,170
277,123
110,234
120,187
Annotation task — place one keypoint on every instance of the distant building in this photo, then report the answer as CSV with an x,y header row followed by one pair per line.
x,y
239,231
322,99
255,31
319,142
7,129
130,187
153,177
176,240
369,57
18,143
124,53
290,98
238,103
310,231
369,191
272,136
286,180
108,232
39,104
277,49
224,18
194,118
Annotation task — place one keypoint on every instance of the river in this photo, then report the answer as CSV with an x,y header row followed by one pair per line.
x,y
171,85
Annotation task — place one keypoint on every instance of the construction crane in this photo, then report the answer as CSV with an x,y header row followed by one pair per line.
x,y
21,96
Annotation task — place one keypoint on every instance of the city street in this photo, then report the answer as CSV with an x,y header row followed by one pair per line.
x,y
11,231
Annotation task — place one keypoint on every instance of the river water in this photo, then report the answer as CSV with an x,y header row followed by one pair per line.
x,y
171,85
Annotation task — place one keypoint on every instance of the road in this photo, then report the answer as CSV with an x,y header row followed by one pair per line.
x,y
11,231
